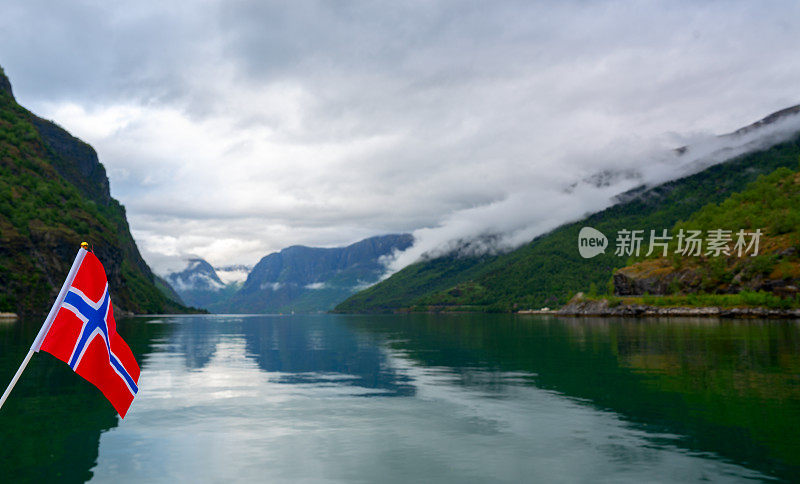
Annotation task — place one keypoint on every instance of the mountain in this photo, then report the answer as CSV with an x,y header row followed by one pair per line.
x,y
308,279
198,276
199,285
771,205
548,270
54,193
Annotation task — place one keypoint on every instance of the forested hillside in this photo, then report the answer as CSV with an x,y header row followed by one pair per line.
x,y
54,193
767,263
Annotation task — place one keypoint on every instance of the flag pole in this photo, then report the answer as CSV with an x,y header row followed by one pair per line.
x,y
37,343
16,377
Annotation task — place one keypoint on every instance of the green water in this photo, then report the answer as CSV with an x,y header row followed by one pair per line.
x,y
434,398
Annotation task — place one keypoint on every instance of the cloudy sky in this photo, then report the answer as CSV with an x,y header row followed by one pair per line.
x,y
231,129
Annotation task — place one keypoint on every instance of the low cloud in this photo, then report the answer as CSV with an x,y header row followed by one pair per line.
x,y
508,223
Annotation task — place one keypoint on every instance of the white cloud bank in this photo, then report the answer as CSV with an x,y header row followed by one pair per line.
x,y
523,215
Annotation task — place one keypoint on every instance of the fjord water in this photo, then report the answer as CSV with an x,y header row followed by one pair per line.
x,y
420,398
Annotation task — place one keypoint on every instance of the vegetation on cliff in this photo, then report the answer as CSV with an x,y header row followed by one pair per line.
x,y
770,278
53,195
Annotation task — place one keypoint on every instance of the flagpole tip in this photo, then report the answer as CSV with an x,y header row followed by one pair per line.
x,y
85,245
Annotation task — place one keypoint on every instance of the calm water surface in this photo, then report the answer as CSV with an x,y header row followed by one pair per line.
x,y
435,398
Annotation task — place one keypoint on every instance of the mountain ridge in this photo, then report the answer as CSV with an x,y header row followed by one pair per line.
x,y
297,278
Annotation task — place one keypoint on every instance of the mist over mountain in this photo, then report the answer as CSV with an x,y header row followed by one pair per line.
x,y
235,273
475,273
198,275
199,285
530,211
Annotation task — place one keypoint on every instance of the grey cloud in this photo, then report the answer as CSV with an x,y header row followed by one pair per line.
x,y
322,122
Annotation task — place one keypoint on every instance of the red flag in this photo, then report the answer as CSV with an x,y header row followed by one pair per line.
x,y
83,334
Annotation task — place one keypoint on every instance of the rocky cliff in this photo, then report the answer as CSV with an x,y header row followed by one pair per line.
x,y
771,206
54,193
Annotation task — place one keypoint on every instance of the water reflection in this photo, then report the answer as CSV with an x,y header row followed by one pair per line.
x,y
195,338
299,349
309,349
472,397
731,388
51,424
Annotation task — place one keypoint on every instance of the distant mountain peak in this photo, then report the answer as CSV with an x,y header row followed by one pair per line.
x,y
198,275
296,278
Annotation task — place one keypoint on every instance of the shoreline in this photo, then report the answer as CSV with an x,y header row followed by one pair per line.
x,y
601,308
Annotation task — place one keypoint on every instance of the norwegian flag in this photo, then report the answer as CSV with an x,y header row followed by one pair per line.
x,y
83,334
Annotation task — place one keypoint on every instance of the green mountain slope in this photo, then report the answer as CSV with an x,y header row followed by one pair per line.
x,y
167,289
771,205
53,195
546,271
